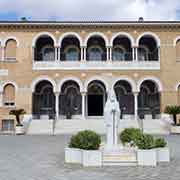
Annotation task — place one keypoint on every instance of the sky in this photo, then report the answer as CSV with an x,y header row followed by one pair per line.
x,y
73,10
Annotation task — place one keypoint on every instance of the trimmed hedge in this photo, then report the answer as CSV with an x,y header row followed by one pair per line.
x,y
87,140
130,135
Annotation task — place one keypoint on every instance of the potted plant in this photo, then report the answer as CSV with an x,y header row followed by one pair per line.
x,y
163,154
146,153
174,111
85,145
17,113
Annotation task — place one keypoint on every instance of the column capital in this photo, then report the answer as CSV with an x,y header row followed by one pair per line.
x,y
83,46
135,92
57,92
109,46
83,92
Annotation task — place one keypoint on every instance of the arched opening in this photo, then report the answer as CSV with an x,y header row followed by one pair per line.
x,y
43,100
96,97
70,49
44,49
124,96
178,50
148,49
9,95
10,49
149,99
70,99
122,50
96,49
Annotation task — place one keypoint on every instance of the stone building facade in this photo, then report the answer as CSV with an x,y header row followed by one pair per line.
x,y
66,69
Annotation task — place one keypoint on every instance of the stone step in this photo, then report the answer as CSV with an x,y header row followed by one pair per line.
x,y
119,163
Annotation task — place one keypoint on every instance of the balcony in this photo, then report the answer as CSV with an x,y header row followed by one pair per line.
x,y
96,65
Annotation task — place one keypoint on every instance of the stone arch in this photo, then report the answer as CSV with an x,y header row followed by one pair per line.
x,y
73,34
41,34
9,82
129,80
96,78
150,34
42,78
9,38
150,78
75,79
102,35
175,40
123,34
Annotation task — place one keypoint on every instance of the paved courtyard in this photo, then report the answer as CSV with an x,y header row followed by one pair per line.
x,y
42,158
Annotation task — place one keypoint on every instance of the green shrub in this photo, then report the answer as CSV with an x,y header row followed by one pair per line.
x,y
145,141
130,135
160,143
87,140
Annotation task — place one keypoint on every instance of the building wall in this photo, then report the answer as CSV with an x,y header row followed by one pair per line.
x,y
22,74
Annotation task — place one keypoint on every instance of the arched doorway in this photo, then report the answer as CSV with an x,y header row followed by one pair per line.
x,y
44,100
148,99
96,98
70,99
124,96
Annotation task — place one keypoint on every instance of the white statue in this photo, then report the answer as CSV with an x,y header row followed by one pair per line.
x,y
112,117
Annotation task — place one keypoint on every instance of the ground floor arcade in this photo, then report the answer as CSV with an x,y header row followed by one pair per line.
x,y
72,99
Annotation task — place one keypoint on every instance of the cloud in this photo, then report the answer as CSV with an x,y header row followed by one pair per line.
x,y
92,9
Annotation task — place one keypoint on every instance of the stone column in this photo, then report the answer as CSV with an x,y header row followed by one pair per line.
x,y
133,54
110,53
83,105
56,53
85,48
136,53
136,105
82,53
57,104
107,54
3,53
59,53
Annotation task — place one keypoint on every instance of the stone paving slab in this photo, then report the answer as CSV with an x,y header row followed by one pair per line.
x,y
42,158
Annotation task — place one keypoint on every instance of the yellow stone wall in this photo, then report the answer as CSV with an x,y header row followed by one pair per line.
x,y
22,74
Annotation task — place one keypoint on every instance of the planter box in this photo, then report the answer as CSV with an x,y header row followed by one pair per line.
x,y
147,157
19,130
73,155
175,129
163,154
91,158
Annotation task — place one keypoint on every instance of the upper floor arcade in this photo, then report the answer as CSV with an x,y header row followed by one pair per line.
x,y
123,46
96,50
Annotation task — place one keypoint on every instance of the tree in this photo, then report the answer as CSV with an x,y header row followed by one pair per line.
x,y
17,113
173,110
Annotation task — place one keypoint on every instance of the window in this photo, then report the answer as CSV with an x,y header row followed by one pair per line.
x,y
118,54
72,54
143,54
47,53
95,53
7,125
10,50
9,95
